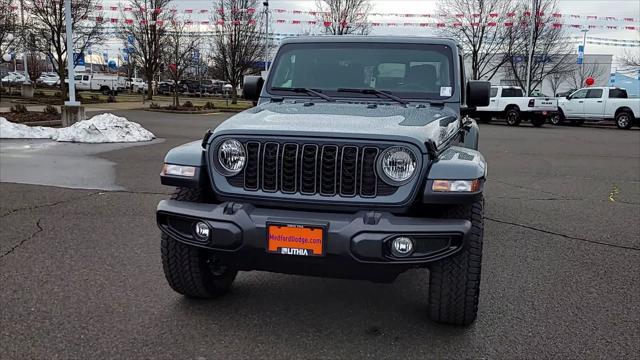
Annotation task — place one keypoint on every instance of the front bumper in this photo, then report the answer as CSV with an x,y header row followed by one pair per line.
x,y
357,245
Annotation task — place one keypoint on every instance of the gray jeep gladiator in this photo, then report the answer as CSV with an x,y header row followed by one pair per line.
x,y
359,161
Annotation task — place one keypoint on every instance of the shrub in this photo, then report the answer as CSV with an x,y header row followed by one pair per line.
x,y
111,99
39,93
95,98
57,94
209,106
154,106
51,110
18,109
188,104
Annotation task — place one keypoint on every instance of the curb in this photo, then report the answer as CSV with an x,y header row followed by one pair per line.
x,y
198,112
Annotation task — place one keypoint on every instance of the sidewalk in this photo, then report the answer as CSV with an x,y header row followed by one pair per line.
x,y
128,105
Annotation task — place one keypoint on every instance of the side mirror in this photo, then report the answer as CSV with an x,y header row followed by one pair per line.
x,y
478,93
568,97
252,87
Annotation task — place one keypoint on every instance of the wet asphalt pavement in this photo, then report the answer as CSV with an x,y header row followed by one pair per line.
x,y
81,277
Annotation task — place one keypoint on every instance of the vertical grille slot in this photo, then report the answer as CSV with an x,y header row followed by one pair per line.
x,y
328,170
349,171
368,180
270,167
308,169
289,168
251,171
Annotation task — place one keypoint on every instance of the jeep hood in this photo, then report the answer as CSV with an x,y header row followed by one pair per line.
x,y
346,120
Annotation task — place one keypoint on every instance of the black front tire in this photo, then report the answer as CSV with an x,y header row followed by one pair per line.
x,y
454,284
513,117
624,120
191,271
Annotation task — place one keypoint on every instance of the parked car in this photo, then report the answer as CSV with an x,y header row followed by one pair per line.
x,y
509,103
341,178
13,78
137,85
166,88
598,103
191,87
105,83
48,78
565,93
212,86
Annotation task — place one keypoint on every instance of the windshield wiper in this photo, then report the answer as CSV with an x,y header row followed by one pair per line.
x,y
375,92
314,92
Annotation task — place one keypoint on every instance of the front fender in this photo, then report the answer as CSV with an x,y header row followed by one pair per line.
x,y
455,163
189,154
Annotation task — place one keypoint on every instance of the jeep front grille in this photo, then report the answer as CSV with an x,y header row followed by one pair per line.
x,y
305,168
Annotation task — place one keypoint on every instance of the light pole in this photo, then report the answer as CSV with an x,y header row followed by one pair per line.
x,y
27,80
266,34
584,42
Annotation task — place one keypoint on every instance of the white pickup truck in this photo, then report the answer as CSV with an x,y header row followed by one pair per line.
x,y
105,83
509,103
598,103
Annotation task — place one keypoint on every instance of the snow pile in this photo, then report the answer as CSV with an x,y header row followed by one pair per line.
x,y
103,128
11,130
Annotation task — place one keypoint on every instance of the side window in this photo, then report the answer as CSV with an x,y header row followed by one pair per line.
x,y
511,92
77,77
618,94
580,94
85,78
594,94
494,92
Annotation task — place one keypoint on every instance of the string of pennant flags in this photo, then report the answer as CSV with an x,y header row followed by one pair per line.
x,y
129,8
437,25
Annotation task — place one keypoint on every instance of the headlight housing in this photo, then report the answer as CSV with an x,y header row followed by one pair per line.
x,y
231,156
397,165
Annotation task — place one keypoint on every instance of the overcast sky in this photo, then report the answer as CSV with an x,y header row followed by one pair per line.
x,y
601,8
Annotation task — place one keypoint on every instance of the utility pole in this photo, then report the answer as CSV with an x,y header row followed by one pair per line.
x,y
532,24
584,43
266,34
72,111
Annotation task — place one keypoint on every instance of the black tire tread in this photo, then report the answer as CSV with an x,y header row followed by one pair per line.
x,y
454,285
188,269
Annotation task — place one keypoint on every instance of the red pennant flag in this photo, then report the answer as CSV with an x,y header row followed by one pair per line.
x,y
143,9
203,11
128,8
251,22
376,24
159,22
188,11
14,7
475,24
312,13
251,11
612,27
592,17
575,16
220,22
457,24
281,21
476,15
144,22
424,24
511,14
297,12
157,10
114,20
492,24
557,15
295,22
99,19
327,23
237,22
98,7
575,26
540,13
527,13
113,8
220,11
459,15
493,15
440,25
508,24
628,19
204,22
312,22
611,17
630,27
128,21
557,25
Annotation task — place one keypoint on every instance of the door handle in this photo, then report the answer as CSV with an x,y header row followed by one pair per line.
x,y
599,101
580,102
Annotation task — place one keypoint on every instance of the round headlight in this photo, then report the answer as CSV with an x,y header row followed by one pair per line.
x,y
231,156
398,164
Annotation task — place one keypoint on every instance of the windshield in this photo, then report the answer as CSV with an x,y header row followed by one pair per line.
x,y
414,71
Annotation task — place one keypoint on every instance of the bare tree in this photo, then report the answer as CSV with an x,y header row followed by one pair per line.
x,y
238,40
49,33
344,17
549,51
477,25
630,60
556,80
179,54
581,73
144,30
8,26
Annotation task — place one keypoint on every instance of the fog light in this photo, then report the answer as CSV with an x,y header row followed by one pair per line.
x,y
401,246
202,231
